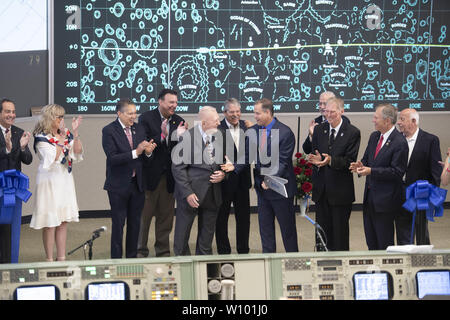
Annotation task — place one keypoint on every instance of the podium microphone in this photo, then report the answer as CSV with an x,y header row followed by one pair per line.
x,y
100,230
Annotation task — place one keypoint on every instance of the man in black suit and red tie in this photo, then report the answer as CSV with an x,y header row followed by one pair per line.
x,y
126,148
13,152
336,145
423,164
235,189
163,126
383,165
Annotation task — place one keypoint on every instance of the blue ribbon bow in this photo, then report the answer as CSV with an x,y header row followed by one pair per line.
x,y
13,186
422,195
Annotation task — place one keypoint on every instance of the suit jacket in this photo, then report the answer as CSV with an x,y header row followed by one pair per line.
x,y
242,180
285,145
14,159
119,160
307,145
335,179
191,172
424,161
385,180
161,159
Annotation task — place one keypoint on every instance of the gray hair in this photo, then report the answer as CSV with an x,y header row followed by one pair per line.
x,y
338,101
413,114
231,101
388,112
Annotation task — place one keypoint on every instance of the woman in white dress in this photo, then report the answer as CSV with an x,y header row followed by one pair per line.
x,y
55,201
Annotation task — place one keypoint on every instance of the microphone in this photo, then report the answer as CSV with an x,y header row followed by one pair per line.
x,y
100,230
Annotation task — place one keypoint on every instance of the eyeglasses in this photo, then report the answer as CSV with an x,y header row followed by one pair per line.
x,y
60,117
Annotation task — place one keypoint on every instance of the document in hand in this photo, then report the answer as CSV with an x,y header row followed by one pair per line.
x,y
277,184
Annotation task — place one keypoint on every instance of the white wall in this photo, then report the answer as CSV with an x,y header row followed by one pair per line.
x,y
89,174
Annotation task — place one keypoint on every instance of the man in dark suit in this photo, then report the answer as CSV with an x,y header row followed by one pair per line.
x,y
163,126
275,143
235,189
336,145
13,151
197,164
124,143
323,98
383,164
423,164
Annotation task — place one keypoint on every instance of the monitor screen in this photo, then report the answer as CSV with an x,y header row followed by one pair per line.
x,y
433,282
107,291
43,292
372,286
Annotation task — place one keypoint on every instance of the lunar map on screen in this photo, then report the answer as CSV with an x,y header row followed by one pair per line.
x,y
366,52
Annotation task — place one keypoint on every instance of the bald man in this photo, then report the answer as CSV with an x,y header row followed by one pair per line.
x,y
423,164
196,168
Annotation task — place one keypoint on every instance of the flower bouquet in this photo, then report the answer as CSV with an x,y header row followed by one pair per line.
x,y
303,177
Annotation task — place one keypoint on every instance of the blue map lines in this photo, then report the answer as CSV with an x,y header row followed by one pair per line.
x,y
290,51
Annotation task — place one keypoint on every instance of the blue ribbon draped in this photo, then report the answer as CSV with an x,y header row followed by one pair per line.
x,y
422,195
13,188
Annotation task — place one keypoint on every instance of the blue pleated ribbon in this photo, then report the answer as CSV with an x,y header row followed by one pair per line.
x,y
422,195
13,187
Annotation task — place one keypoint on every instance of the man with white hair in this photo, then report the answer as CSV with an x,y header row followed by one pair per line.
x,y
197,170
323,98
423,164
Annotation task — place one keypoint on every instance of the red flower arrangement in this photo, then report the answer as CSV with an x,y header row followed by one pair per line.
x,y
303,175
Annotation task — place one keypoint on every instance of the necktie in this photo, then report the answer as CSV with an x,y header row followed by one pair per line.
x,y
130,138
209,149
263,139
380,143
7,130
331,138
235,134
130,141
164,132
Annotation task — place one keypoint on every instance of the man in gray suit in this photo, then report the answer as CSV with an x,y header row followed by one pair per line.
x,y
196,168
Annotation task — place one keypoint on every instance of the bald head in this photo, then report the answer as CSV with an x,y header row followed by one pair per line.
x,y
209,118
408,122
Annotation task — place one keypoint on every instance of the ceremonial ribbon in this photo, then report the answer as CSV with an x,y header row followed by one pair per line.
x,y
421,195
53,141
13,186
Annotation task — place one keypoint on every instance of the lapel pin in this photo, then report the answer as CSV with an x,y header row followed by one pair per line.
x,y
342,134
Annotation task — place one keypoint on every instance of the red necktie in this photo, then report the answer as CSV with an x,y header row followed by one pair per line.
x,y
130,141
380,143
130,138
164,129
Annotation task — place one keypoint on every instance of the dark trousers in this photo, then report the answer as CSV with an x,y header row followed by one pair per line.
x,y
334,220
160,204
5,243
403,225
185,216
283,210
378,226
241,203
125,207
